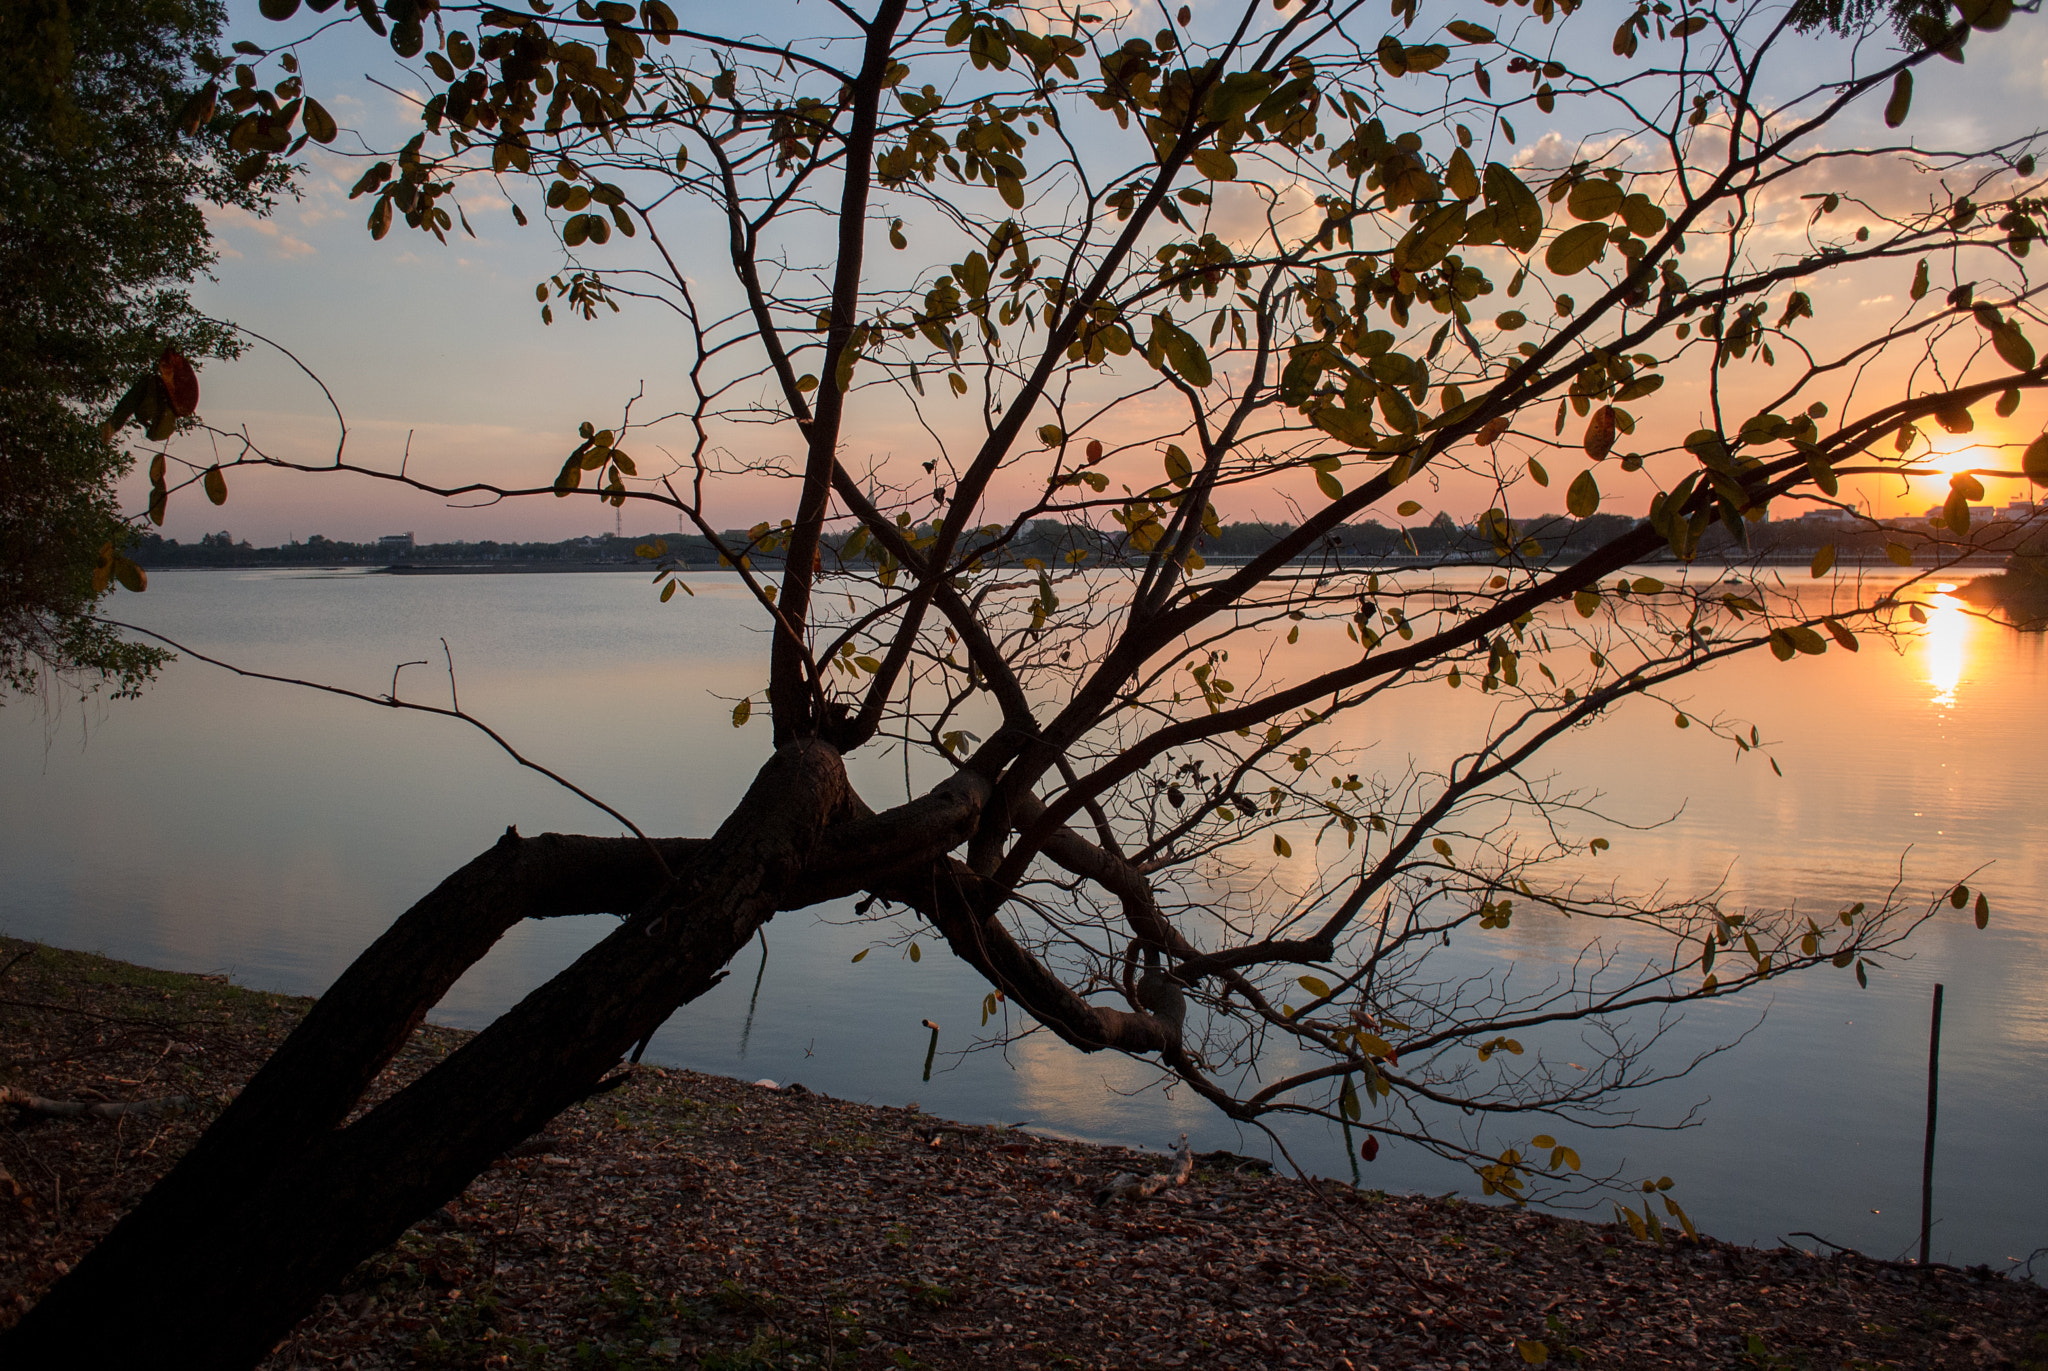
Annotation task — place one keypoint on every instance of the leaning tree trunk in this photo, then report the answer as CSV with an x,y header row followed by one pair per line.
x,y
280,1200
283,1196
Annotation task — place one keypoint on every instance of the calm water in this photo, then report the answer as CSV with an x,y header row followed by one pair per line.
x,y
222,824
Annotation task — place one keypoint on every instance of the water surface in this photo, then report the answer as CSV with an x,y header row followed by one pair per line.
x,y
225,824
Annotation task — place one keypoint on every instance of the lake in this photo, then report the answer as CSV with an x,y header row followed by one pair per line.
x,y
220,824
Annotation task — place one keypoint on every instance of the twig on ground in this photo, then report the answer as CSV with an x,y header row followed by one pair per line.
x,y
105,1109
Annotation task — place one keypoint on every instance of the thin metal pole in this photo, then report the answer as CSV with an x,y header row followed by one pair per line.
x,y
1927,1155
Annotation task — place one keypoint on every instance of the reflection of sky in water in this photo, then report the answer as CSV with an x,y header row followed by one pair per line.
x,y
220,823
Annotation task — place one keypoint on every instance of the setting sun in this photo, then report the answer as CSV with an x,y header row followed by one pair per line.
x,y
1952,453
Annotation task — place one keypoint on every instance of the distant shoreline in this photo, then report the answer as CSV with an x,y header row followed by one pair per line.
x,y
513,568
1984,563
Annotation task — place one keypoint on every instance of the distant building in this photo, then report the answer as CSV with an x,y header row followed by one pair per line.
x,y
395,542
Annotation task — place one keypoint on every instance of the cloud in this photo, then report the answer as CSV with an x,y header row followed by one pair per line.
x,y
1038,17
1245,213
281,244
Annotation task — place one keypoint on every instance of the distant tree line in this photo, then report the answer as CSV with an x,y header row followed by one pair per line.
x,y
1545,538
221,549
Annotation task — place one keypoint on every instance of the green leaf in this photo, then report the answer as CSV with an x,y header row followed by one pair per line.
x,y
1397,411
1178,469
1823,473
1537,473
1519,218
1595,198
2035,461
1214,163
1423,246
1352,427
916,953
1583,501
1461,176
1896,108
862,953
1281,847
1983,905
1184,354
742,712
216,485
2012,345
319,124
1315,986
1823,560
1572,251
1643,216
1806,640
1533,1352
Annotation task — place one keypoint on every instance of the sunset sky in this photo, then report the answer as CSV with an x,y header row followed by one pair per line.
x,y
442,346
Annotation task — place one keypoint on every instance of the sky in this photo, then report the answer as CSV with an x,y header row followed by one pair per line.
x,y
438,357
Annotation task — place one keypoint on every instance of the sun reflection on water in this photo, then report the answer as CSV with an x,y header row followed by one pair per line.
x,y
1945,648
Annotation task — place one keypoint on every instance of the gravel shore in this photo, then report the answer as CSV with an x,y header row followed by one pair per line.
x,y
698,1221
